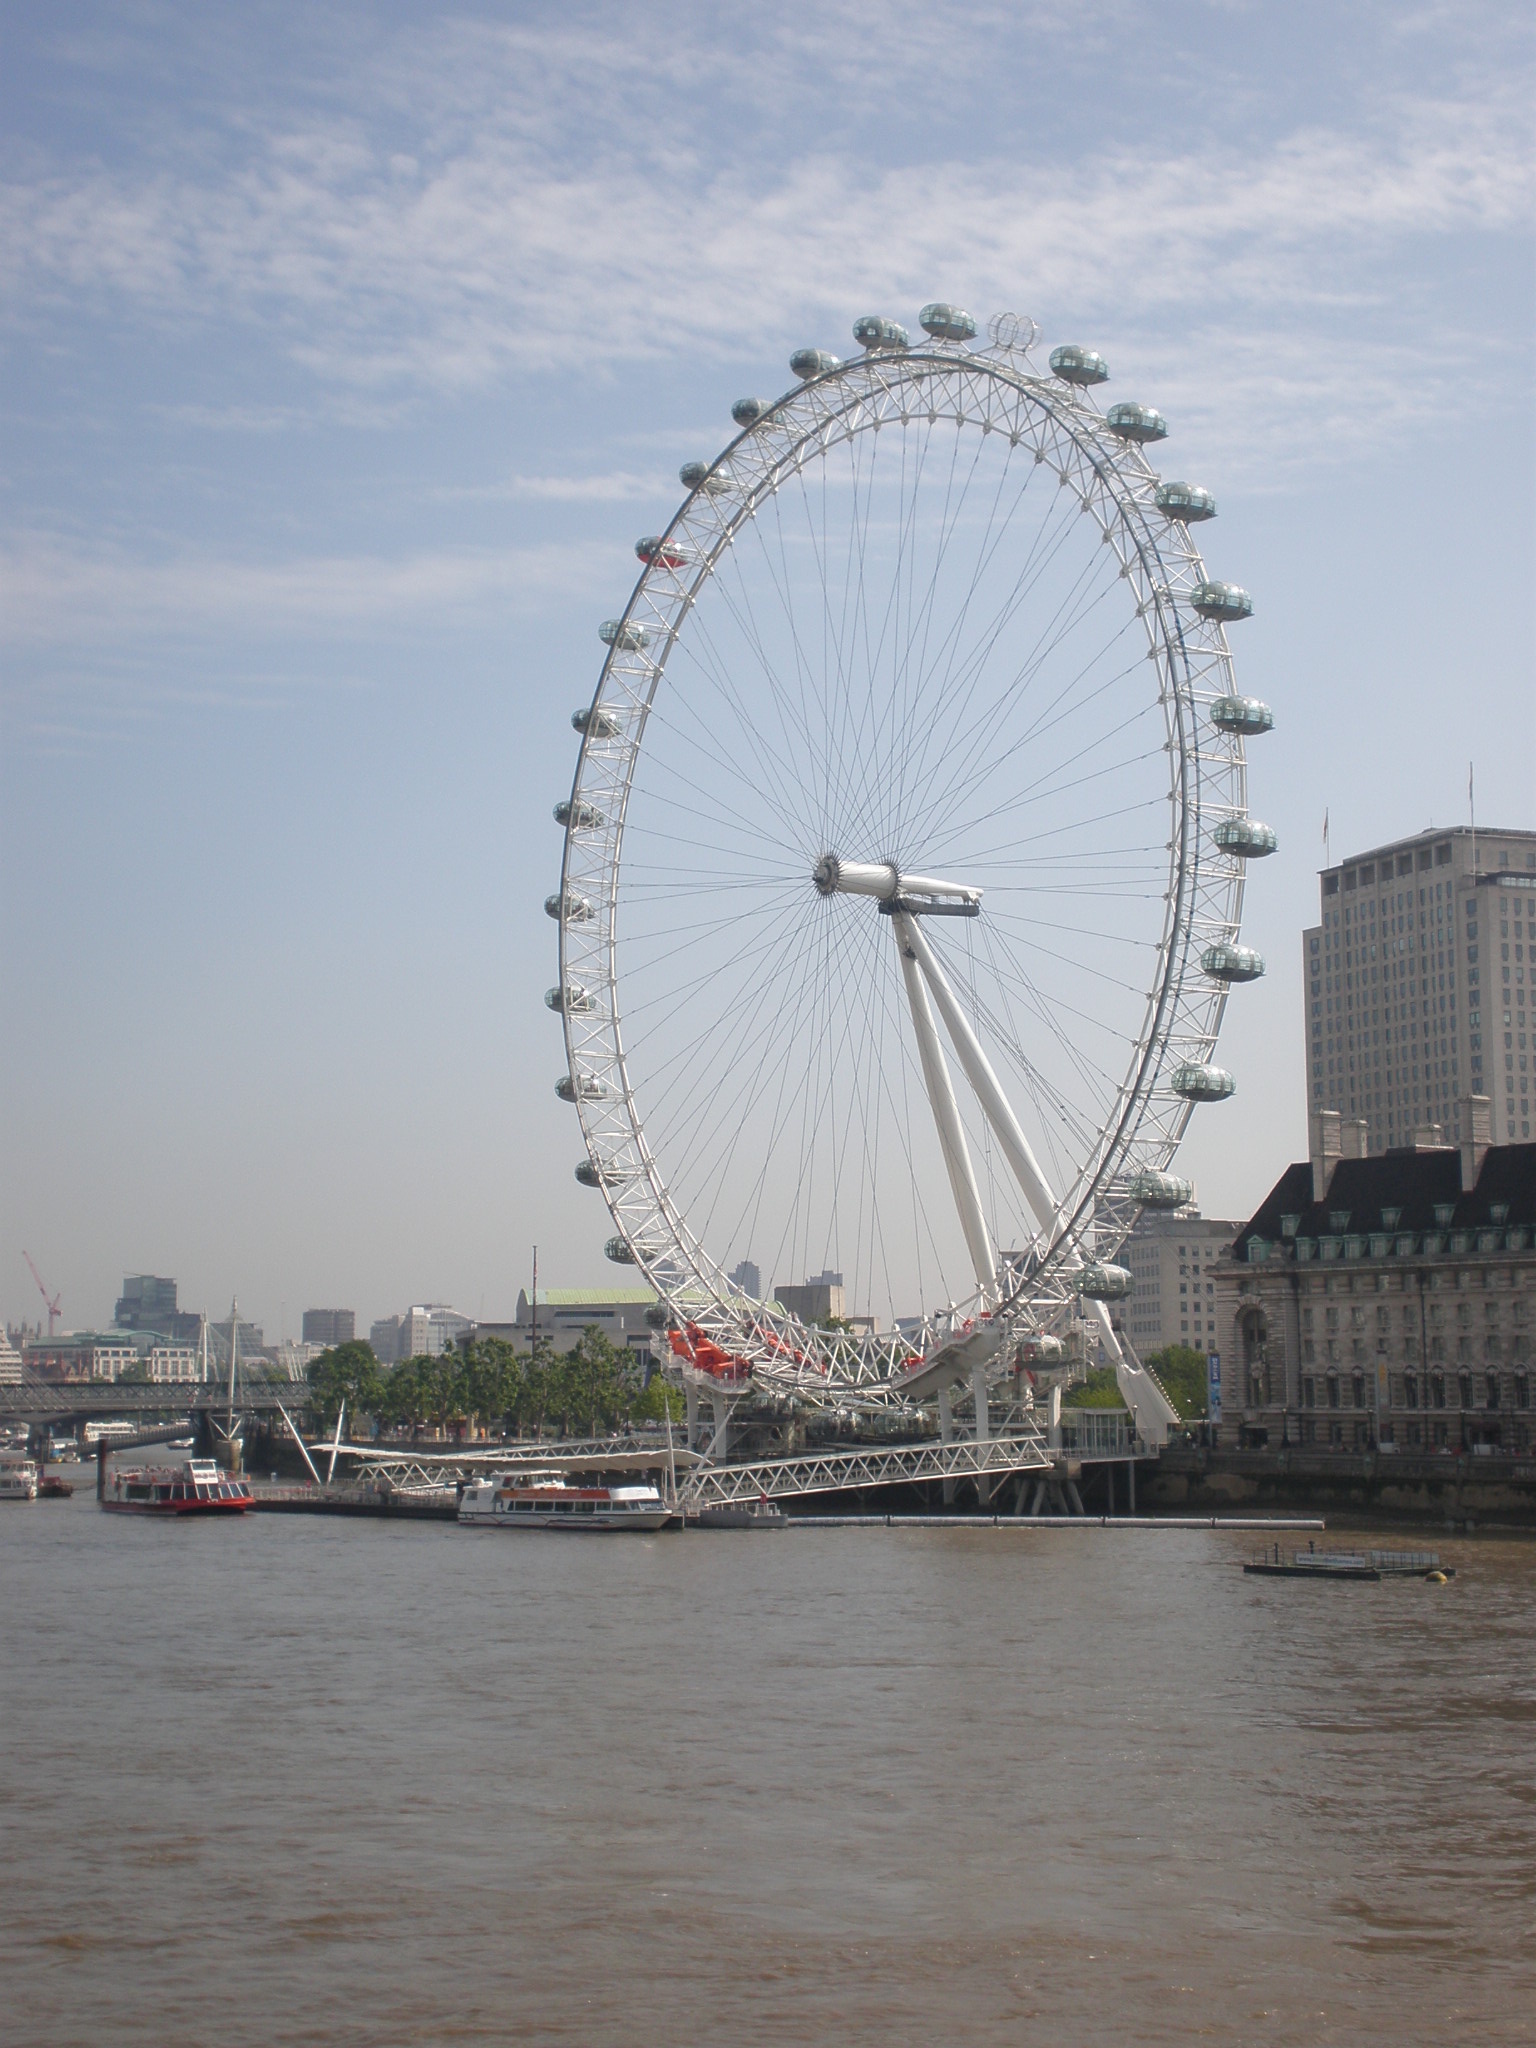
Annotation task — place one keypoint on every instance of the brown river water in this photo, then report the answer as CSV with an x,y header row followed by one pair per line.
x,y
289,1780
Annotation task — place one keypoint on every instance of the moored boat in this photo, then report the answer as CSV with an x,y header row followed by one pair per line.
x,y
546,1500
18,1477
197,1487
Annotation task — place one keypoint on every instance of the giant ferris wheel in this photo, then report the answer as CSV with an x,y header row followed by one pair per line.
x,y
904,866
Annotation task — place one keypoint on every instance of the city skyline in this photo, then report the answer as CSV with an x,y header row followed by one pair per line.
x,y
347,360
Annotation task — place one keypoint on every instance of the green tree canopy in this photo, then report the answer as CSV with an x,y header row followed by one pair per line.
x,y
1185,1374
347,1372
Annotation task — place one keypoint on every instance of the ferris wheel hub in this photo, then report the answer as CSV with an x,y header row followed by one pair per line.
x,y
835,876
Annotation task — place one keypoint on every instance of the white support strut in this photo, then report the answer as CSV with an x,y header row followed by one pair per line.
x,y
946,1113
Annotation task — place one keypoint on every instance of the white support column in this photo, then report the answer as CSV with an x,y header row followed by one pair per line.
x,y
983,1426
946,1113
995,1104
946,1436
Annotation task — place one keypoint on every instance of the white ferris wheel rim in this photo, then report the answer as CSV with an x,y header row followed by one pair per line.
x,y
1114,486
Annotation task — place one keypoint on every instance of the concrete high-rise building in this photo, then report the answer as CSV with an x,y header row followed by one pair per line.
x,y
148,1302
384,1339
429,1328
1420,988
749,1278
1172,1261
329,1326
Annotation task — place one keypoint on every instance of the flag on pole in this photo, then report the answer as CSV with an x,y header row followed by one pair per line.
x,y
1327,856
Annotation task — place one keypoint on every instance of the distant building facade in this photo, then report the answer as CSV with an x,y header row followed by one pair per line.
x,y
328,1327
819,1300
1420,987
749,1278
1172,1258
148,1302
623,1314
12,1371
429,1328
1382,1300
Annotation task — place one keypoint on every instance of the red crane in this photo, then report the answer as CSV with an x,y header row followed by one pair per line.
x,y
53,1305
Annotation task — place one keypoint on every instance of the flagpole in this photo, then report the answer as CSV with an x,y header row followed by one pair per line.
x,y
1472,815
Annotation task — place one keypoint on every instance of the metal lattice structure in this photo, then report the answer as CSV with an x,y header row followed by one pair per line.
x,y
932,610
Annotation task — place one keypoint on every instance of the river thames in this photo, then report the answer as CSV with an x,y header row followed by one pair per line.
x,y
291,1780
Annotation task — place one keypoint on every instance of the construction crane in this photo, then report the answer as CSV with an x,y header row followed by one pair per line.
x,y
53,1303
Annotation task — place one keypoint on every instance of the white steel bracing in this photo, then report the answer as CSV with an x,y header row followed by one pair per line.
x,y
941,1094
839,1471
994,396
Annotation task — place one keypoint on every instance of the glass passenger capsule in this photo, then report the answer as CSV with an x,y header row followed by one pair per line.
x,y
623,635
577,816
664,554
570,999
1185,502
592,1176
584,1088
1161,1190
617,1249
746,412
1045,1349
1224,602
873,332
1104,1283
574,909
812,362
1228,962
1245,715
946,323
702,476
596,723
1245,837
1140,423
1197,1082
1074,365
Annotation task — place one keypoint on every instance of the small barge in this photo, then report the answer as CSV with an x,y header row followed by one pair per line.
x,y
1350,1564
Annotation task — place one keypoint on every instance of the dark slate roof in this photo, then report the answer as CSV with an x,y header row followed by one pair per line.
x,y
1413,1182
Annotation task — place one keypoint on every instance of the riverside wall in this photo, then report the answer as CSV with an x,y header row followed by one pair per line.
x,y
1457,1490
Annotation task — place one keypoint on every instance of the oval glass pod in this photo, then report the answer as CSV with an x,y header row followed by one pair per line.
x,y
596,723
1197,1082
1046,1349
746,412
621,634
1246,838
663,554
946,323
571,999
873,332
1104,1283
591,1176
1074,365
1228,962
1139,423
578,816
1161,1190
1223,602
1245,715
619,1252
574,909
812,362
702,476
1188,503
586,1089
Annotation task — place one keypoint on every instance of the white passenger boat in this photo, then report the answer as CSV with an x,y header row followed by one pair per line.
x,y
18,1477
545,1500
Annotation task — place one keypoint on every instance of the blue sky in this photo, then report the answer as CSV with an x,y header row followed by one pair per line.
x,y
347,351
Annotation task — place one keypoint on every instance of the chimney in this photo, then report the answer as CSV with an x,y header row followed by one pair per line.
x,y
1354,1138
1476,1136
1326,1149
1428,1137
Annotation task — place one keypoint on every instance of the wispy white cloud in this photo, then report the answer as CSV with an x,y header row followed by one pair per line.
x,y
53,591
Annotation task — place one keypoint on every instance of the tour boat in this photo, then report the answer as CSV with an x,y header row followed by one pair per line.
x,y
544,1500
18,1477
198,1487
